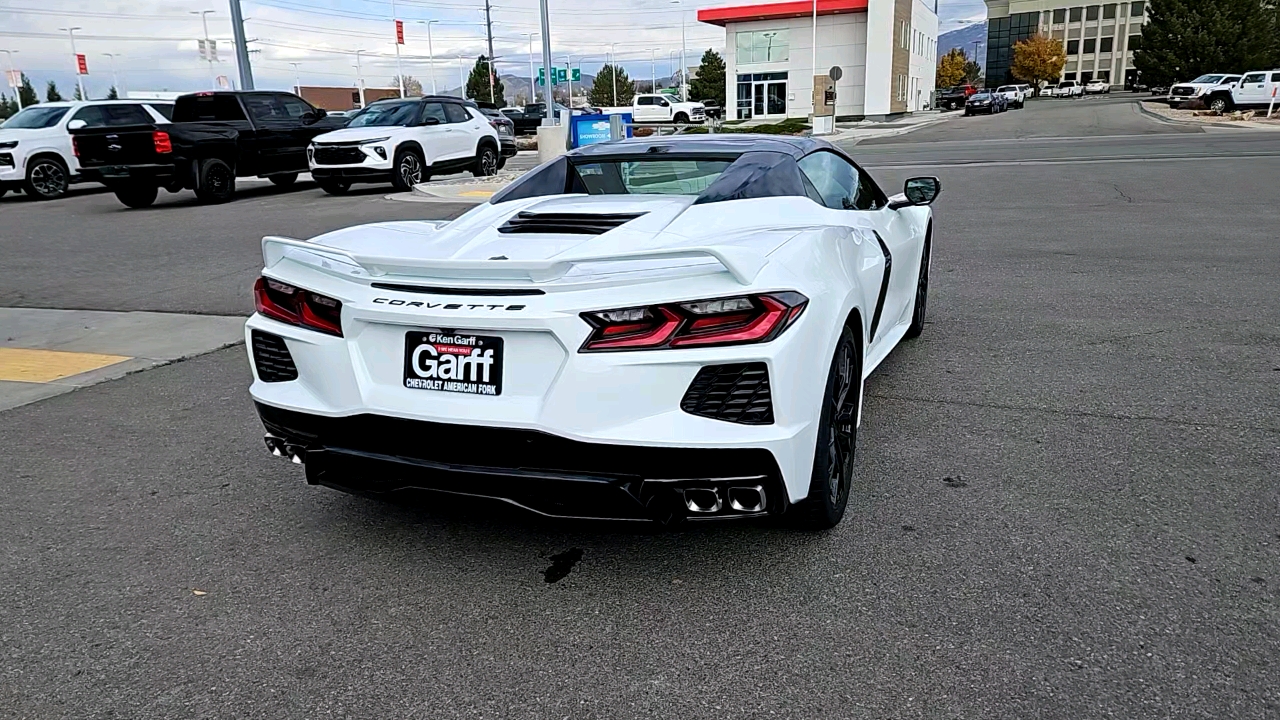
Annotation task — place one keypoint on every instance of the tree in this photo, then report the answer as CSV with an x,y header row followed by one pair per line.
x,y
51,93
8,108
412,86
951,68
709,84
1186,38
76,95
601,93
478,87
26,93
113,94
1037,59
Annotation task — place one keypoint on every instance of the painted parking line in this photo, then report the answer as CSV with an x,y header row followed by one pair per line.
x,y
43,366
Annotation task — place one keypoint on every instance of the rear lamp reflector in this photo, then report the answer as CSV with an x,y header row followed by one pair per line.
x,y
295,306
701,323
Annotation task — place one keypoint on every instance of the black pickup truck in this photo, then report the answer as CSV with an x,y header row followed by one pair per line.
x,y
214,138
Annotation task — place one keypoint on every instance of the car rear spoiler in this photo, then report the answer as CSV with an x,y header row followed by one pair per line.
x,y
743,264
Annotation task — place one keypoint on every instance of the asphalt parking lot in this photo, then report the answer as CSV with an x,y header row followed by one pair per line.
x,y
1067,501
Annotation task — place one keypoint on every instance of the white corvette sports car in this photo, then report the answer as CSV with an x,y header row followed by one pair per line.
x,y
654,329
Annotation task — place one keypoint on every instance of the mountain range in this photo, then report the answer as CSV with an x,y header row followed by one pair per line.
x,y
964,38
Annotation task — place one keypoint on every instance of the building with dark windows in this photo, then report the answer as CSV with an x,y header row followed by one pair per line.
x,y
886,51
1099,39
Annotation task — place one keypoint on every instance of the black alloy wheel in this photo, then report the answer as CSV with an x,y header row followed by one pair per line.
x,y
409,170
486,162
922,291
46,179
217,182
836,450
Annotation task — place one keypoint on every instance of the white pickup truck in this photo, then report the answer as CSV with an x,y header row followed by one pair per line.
x,y
660,108
1256,90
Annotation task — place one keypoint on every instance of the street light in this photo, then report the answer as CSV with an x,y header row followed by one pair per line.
x,y
399,72
71,33
653,70
532,94
208,51
297,81
115,82
684,61
613,73
431,55
359,78
18,90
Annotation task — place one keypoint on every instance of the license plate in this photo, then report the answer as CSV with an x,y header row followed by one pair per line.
x,y
453,362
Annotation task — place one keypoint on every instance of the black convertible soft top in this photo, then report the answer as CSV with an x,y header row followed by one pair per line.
x,y
762,165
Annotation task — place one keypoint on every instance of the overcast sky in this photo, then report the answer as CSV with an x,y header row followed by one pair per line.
x,y
155,40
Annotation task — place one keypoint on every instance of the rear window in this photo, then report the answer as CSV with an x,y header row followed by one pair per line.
x,y
1007,88
649,177
112,115
206,108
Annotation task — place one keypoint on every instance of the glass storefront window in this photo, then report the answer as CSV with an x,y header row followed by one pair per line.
x,y
760,46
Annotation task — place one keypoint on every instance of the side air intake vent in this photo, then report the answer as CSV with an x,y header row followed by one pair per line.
x,y
733,393
566,223
272,359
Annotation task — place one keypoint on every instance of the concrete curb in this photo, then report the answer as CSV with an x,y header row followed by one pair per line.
x,y
1236,125
895,132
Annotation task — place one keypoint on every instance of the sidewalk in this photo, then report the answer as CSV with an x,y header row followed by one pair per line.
x,y
50,352
856,132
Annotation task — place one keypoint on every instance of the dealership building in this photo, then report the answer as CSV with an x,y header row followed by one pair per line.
x,y
886,51
1099,39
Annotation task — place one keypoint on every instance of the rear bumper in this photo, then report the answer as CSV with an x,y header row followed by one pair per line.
x,y
553,476
159,173
508,146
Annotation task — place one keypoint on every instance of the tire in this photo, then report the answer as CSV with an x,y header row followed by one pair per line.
x,y
921,304
137,196
3,191
680,119
836,449
1220,104
502,162
284,180
408,170
47,179
335,187
215,182
486,161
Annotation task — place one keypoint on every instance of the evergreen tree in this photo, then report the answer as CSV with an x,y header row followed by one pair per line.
x,y
113,94
76,95
51,93
709,84
478,83
26,93
601,93
1186,38
8,108
972,72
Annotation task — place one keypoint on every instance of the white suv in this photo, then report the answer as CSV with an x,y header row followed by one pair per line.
x,y
1015,94
1068,89
405,142
36,155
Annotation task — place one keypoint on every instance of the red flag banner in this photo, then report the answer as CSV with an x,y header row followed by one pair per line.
x,y
399,32
82,67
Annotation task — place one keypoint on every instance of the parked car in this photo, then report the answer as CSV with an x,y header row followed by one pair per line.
x,y
1097,87
501,123
528,118
1256,90
714,110
215,137
1182,93
653,330
987,102
1027,90
37,155
405,142
1014,95
662,108
1068,89
955,97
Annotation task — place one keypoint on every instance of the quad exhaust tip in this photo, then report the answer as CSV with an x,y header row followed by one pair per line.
x,y
279,448
702,500
748,499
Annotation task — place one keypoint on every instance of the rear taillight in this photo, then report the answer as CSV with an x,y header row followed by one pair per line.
x,y
701,323
295,306
75,146
161,140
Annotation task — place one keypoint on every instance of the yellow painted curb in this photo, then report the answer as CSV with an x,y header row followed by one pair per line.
x,y
476,193
42,366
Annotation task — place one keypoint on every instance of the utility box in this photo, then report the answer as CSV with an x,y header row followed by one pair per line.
x,y
824,96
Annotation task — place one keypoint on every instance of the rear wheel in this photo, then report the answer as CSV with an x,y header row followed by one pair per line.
x,y
408,170
284,180
216,181
835,453
137,196
46,179
486,162
335,187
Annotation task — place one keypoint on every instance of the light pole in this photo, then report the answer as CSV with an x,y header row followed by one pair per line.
x,y
18,90
360,78
671,64
653,70
115,82
462,80
208,51
613,73
544,17
297,81
395,19
71,33
815,51
533,94
684,60
431,55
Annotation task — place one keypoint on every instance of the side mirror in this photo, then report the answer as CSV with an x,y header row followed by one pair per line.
x,y
313,116
429,121
917,191
76,124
